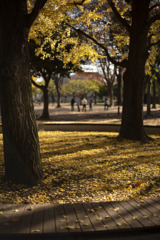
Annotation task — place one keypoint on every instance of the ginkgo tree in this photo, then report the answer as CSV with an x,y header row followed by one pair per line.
x,y
20,136
137,21
50,67
81,88
21,145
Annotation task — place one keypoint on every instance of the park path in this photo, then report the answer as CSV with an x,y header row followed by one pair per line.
x,y
79,218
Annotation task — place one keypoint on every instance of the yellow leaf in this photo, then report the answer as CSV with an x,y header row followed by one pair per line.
x,y
116,209
15,219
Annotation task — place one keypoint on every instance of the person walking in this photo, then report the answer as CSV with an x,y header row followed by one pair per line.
x,y
90,104
106,103
84,103
72,103
78,104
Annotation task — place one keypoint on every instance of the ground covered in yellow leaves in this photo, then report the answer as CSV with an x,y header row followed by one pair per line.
x,y
90,166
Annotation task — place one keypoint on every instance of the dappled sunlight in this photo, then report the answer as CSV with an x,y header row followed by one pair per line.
x,y
90,166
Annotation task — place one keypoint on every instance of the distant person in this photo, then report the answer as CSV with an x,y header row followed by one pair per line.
x,y
106,103
90,104
78,104
84,103
72,103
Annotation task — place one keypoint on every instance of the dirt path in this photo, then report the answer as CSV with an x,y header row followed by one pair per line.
x,y
96,115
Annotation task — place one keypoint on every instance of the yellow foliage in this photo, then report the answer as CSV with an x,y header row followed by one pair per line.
x,y
90,166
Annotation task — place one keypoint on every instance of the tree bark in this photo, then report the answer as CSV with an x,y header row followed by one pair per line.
x,y
21,144
58,88
148,96
132,116
110,92
58,99
45,114
154,94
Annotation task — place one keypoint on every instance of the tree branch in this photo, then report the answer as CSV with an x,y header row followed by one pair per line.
x,y
118,16
154,44
30,18
78,3
111,59
153,6
37,85
153,20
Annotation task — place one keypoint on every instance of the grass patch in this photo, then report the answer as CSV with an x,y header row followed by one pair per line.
x,y
90,166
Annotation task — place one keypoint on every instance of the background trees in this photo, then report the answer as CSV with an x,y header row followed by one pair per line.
x,y
135,20
80,88
49,67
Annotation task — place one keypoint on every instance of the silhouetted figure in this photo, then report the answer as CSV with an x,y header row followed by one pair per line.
x,y
78,104
72,103
106,103
90,104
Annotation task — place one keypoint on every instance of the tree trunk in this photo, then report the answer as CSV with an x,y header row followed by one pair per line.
x,y
132,116
148,96
58,99
154,94
120,86
110,91
58,88
45,114
21,144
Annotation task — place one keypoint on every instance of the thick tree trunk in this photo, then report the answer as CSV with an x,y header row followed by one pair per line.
x,y
132,116
21,145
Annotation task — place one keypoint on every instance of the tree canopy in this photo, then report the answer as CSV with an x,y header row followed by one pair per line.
x,y
80,87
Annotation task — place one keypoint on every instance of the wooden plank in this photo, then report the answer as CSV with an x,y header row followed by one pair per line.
x,y
150,212
115,216
49,219
108,209
25,222
4,218
154,202
108,222
61,219
37,220
2,212
83,218
123,214
94,217
73,223
7,223
16,218
130,215
141,214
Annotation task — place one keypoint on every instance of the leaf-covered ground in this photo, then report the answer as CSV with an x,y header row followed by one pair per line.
x,y
90,166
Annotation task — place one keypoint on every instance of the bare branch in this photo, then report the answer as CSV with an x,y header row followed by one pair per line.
x,y
118,16
111,59
30,18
